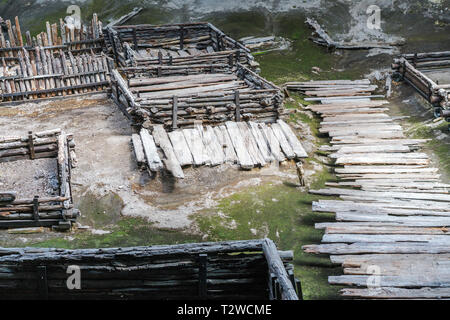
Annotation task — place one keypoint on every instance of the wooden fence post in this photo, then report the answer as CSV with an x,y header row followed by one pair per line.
x,y
203,276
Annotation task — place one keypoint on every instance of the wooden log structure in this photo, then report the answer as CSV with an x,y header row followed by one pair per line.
x,y
57,36
202,97
414,69
140,45
392,213
238,270
54,211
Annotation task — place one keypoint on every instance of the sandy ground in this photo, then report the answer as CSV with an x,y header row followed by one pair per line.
x,y
107,180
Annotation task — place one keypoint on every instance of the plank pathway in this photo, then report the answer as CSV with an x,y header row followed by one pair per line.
x,y
391,235
248,144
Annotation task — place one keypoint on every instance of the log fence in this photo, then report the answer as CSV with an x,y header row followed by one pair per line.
x,y
210,271
57,36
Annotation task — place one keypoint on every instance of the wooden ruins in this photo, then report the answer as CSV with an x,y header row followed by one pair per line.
x,y
415,69
55,211
321,37
189,90
62,61
247,144
244,270
166,45
391,232
64,36
193,96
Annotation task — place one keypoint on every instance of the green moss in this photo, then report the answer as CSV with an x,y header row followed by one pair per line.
x,y
282,213
440,148
127,232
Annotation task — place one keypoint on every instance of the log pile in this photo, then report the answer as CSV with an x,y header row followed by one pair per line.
x,y
413,69
47,74
54,211
248,145
58,36
321,37
244,270
208,98
140,45
390,236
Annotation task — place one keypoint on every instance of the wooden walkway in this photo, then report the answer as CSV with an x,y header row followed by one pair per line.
x,y
391,235
247,144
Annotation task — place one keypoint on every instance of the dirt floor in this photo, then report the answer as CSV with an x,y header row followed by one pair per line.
x,y
30,178
107,183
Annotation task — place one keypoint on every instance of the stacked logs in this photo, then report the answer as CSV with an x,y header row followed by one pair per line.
x,y
210,98
412,68
147,44
48,74
77,39
225,270
52,211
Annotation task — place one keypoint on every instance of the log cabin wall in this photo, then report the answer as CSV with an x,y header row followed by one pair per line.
x,y
244,270
34,211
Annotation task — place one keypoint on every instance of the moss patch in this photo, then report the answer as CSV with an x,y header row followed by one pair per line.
x,y
128,232
282,213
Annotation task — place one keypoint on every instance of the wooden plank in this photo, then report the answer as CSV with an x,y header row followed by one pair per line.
x,y
212,145
284,144
261,142
272,142
250,144
181,148
384,169
138,149
162,140
383,195
397,293
195,144
411,221
292,139
379,238
425,280
384,248
151,153
376,159
345,229
245,161
226,144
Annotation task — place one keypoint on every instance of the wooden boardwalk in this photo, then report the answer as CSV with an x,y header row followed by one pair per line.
x,y
391,235
248,144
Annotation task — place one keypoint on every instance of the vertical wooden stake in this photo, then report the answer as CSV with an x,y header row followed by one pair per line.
x,y
238,105
36,208
42,282
175,112
135,39
31,145
203,276
181,38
